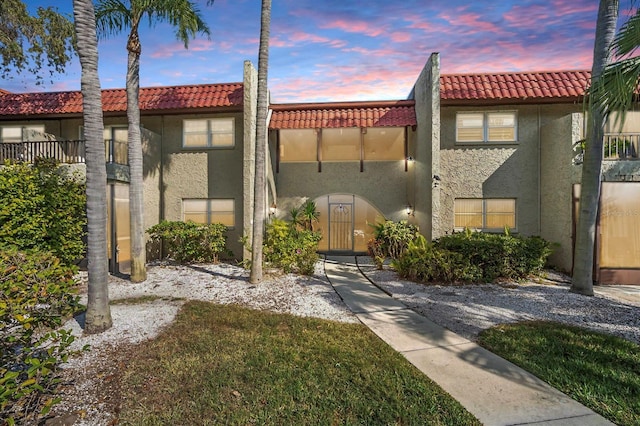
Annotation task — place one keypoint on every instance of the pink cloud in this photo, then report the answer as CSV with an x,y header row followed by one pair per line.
x,y
171,49
471,20
300,37
400,37
370,29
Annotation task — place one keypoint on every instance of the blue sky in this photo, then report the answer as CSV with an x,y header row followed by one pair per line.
x,y
351,50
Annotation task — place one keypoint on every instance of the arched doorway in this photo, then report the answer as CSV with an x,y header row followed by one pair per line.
x,y
344,223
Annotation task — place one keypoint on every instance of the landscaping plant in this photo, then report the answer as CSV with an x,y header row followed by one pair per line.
x,y
37,292
189,242
42,207
290,248
391,239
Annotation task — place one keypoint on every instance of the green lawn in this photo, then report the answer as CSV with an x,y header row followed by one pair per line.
x,y
598,370
231,365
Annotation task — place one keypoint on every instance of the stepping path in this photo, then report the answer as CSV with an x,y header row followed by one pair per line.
x,y
494,390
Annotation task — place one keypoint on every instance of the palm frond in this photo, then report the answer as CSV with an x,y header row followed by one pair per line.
x,y
184,15
112,17
628,38
616,88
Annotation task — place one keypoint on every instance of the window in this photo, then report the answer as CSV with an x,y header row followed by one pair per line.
x,y
486,126
210,210
208,133
486,214
22,133
299,146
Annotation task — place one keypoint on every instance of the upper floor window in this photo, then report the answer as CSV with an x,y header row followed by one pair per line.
x,y
342,144
491,214
474,127
208,133
22,133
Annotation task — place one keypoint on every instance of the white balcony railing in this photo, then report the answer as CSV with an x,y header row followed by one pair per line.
x,y
621,146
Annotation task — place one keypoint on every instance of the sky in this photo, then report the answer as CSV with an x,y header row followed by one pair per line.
x,y
343,50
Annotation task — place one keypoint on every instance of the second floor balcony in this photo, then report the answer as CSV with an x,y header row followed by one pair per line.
x,y
67,151
621,146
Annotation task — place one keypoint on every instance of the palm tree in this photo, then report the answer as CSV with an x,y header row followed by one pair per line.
x,y
582,281
98,317
616,89
113,16
310,214
261,139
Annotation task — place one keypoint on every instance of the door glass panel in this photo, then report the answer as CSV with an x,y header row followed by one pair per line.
x,y
620,225
384,144
341,144
298,145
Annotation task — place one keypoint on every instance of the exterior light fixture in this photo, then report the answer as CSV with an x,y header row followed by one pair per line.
x,y
272,209
408,209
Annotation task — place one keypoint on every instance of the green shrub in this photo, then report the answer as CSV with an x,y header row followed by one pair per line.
x,y
189,242
393,238
36,292
42,207
423,262
499,255
289,248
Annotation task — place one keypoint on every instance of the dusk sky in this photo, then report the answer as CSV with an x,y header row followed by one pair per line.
x,y
351,50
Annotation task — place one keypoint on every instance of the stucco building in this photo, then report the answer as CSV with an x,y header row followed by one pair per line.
x,y
483,151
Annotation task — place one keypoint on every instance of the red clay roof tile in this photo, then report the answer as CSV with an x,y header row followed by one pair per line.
x,y
343,114
114,100
516,86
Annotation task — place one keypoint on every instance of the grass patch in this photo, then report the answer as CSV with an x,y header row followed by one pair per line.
x,y
599,370
231,365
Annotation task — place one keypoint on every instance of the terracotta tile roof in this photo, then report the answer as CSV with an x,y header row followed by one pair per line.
x,y
552,86
343,114
114,100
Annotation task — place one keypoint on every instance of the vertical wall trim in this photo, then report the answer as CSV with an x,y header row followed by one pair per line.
x,y
277,151
363,130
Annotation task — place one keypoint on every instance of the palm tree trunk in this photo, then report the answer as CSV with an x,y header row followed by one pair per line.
x,y
259,200
98,317
136,190
583,262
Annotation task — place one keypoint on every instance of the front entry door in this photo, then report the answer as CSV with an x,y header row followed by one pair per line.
x,y
341,226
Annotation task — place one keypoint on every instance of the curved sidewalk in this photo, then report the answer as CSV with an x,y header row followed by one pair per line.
x,y
496,391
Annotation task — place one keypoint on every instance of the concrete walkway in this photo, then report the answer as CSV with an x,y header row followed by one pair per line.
x,y
494,390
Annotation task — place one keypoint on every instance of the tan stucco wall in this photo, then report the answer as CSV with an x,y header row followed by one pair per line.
x,y
427,202
506,170
383,184
557,177
202,173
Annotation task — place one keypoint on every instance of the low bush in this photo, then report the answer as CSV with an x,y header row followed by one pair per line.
x,y
42,207
472,257
499,255
289,248
391,239
36,292
424,262
189,242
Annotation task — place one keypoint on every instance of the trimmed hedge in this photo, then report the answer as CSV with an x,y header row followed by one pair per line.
x,y
499,255
473,257
189,242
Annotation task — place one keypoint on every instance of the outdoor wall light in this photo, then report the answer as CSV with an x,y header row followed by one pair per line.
x,y
408,209
272,209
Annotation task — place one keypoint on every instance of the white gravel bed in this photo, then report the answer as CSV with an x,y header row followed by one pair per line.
x,y
469,309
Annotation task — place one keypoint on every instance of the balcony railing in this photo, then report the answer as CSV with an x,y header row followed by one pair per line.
x,y
621,146
69,152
